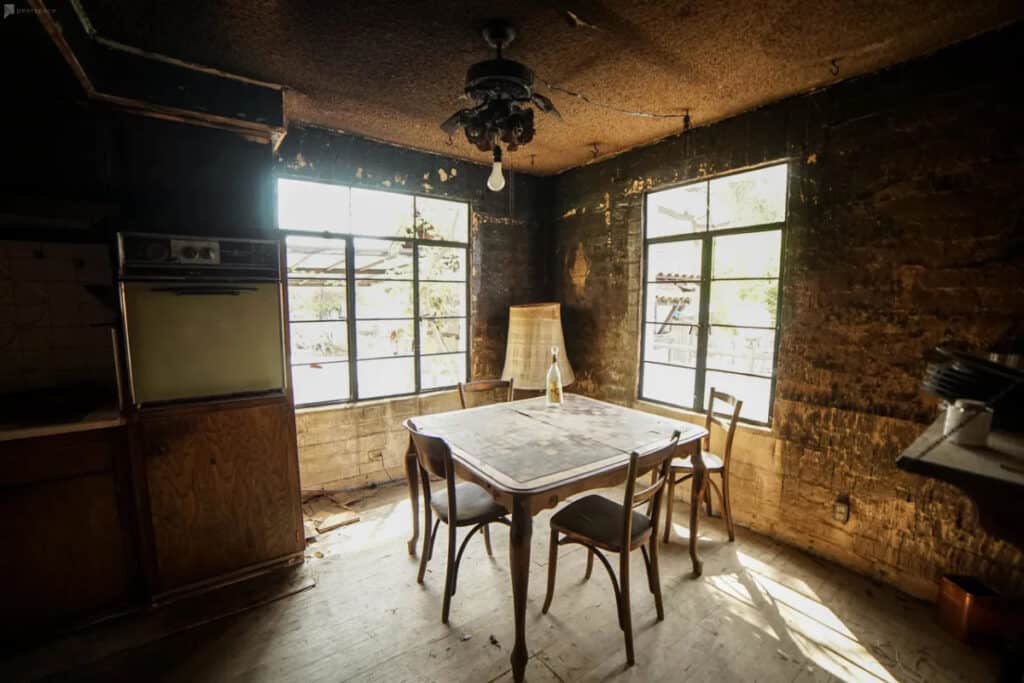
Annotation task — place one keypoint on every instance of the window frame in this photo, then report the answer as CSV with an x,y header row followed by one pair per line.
x,y
706,240
352,318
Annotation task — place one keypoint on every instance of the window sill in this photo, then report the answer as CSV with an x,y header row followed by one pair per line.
x,y
370,402
661,408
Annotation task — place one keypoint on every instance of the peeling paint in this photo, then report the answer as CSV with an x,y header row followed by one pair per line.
x,y
299,162
454,172
443,175
427,187
386,183
359,172
571,212
579,270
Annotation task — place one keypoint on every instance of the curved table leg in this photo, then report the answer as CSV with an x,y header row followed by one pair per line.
x,y
697,485
519,554
412,478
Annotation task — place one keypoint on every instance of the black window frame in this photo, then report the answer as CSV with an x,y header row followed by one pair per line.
x,y
352,318
706,239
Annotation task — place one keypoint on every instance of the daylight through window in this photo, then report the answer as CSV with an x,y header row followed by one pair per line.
x,y
377,291
711,291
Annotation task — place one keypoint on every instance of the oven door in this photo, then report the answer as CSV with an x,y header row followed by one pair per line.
x,y
195,341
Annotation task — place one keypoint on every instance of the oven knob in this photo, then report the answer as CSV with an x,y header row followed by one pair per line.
x,y
188,252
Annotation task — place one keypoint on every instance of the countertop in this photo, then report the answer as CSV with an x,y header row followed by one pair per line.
x,y
101,418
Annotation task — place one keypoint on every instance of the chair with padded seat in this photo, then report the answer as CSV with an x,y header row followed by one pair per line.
x,y
598,523
460,504
682,468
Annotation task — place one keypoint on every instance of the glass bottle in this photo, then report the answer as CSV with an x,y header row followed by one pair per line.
x,y
553,391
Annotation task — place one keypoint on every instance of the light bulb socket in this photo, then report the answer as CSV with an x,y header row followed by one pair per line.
x,y
497,154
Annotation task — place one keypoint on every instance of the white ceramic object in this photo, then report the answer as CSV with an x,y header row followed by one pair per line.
x,y
969,422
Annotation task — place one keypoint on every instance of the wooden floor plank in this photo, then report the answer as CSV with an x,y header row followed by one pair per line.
x,y
762,611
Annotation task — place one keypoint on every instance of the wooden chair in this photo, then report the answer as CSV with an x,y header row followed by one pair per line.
x,y
482,385
459,505
682,468
598,523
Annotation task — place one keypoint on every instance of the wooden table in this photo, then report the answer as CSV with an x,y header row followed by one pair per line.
x,y
992,475
532,458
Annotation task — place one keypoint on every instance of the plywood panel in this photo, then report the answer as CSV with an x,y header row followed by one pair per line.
x,y
223,488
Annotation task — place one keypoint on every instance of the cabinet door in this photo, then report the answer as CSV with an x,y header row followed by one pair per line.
x,y
223,490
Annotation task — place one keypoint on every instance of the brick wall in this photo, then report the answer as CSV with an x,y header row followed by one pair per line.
x,y
508,266
904,232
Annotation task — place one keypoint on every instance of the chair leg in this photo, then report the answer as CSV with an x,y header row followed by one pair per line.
x,y
671,486
727,507
654,576
590,564
487,540
428,545
449,574
552,567
625,613
707,506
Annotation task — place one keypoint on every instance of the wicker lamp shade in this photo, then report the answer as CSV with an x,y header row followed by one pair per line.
x,y
532,330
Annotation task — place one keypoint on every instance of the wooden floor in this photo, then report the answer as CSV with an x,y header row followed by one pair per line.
x,y
761,612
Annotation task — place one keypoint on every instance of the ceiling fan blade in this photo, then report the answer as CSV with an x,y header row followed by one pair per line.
x,y
454,122
544,104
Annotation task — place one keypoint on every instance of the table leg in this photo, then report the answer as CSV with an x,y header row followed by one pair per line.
x,y
411,476
519,554
697,485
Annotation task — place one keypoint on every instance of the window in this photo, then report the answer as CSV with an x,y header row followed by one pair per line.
x,y
377,291
711,290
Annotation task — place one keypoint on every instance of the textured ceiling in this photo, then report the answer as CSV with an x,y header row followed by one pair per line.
x,y
393,69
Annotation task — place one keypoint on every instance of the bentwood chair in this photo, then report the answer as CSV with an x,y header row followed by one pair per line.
x,y
459,505
482,385
682,468
598,523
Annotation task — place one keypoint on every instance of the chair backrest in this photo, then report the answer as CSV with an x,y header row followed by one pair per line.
x,y
481,385
659,459
728,426
434,456
432,452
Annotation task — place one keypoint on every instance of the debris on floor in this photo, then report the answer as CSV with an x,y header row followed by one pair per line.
x,y
325,512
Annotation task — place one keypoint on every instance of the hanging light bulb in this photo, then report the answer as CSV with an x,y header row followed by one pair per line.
x,y
496,181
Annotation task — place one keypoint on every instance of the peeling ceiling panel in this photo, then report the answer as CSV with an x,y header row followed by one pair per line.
x,y
393,70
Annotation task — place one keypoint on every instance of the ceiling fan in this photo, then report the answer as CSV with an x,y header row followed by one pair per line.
x,y
503,101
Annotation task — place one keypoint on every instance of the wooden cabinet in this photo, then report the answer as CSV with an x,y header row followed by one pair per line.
x,y
67,530
223,489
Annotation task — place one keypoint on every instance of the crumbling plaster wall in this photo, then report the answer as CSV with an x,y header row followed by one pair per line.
x,y
508,266
905,231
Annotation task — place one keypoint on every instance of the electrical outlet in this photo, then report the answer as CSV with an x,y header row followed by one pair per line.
x,y
374,456
841,509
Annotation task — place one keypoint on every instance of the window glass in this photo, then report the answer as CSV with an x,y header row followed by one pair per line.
x,y
713,262
381,214
438,219
672,261
302,205
754,254
752,198
383,252
677,211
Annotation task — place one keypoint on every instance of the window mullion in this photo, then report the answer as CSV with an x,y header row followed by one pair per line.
x,y
350,295
705,298
416,311
703,326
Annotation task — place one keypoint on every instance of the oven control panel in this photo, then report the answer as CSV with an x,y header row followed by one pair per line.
x,y
179,257
195,251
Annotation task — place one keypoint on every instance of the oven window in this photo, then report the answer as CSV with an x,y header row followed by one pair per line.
x,y
377,291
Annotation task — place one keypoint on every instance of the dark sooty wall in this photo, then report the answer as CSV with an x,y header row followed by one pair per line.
x,y
905,231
